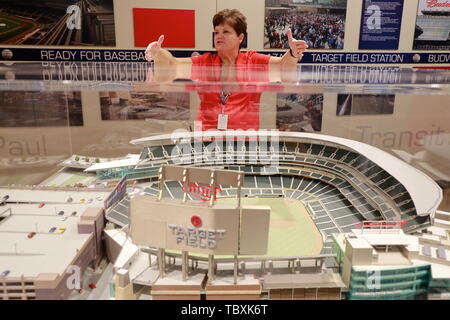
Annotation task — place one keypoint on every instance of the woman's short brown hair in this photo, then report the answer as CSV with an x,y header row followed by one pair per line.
x,y
232,17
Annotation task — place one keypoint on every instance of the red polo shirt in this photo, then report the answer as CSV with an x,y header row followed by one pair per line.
x,y
242,106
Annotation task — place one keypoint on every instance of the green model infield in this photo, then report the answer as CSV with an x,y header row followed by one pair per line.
x,y
292,232
14,28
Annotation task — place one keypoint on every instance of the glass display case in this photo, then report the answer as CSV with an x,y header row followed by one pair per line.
x,y
353,163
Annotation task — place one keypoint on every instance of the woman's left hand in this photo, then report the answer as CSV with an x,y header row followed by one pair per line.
x,y
297,46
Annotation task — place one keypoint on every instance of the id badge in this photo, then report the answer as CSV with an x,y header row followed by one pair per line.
x,y
222,122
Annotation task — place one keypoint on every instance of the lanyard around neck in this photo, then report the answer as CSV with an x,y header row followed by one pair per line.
x,y
224,98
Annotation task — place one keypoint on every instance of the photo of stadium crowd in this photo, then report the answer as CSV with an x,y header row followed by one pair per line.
x,y
299,112
57,22
321,23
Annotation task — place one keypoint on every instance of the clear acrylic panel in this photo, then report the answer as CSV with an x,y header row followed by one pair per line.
x,y
51,111
90,142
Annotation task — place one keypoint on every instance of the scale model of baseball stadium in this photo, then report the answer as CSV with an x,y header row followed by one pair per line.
x,y
233,215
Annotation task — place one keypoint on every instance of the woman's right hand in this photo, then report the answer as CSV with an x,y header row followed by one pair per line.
x,y
153,49
297,46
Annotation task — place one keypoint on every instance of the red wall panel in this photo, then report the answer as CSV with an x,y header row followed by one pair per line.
x,y
177,26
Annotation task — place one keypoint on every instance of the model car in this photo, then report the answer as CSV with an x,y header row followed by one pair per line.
x,y
53,229
31,235
5,273
41,205
61,213
61,230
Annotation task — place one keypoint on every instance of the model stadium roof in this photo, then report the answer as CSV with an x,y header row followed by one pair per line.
x,y
425,193
131,160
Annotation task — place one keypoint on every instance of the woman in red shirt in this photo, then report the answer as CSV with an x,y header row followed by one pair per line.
x,y
228,107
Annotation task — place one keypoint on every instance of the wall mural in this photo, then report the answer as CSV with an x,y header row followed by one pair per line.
x,y
299,112
124,105
320,23
57,22
364,104
40,109
432,25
